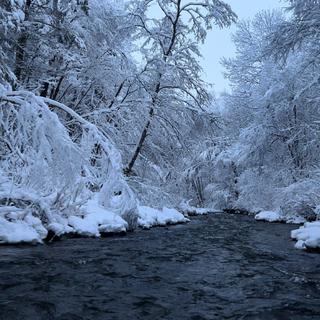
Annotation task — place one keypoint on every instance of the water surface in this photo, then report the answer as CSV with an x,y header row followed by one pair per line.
x,y
215,267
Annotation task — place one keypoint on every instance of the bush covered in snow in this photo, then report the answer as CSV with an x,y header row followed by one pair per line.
x,y
57,181
48,173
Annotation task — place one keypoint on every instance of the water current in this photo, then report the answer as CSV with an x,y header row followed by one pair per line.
x,y
215,267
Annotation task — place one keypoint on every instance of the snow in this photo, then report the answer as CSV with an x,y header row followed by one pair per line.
x,y
97,220
61,227
49,174
28,230
191,210
116,196
93,221
18,224
295,219
274,216
269,216
307,236
150,217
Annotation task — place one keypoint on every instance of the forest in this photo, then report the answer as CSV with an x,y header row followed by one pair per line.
x,y
106,123
110,127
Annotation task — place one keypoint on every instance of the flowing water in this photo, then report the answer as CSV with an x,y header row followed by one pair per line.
x,y
215,267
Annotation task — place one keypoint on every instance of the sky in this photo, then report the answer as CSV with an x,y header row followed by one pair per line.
x,y
218,43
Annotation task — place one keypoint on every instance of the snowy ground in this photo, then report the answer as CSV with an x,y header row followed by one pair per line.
x,y
29,229
150,217
20,225
274,216
307,236
189,210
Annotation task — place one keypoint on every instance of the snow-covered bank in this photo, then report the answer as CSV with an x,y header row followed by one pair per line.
x,y
276,216
269,216
29,230
307,236
18,221
189,210
97,221
150,217
23,224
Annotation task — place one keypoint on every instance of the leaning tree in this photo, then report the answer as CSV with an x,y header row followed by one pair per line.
x,y
170,32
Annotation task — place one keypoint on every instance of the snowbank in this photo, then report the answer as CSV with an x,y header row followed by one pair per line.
x,y
97,220
116,196
31,222
19,225
150,217
274,216
93,221
187,209
307,236
18,221
28,230
269,216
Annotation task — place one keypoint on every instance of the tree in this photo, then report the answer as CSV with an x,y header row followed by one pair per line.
x,y
11,18
304,26
272,111
172,74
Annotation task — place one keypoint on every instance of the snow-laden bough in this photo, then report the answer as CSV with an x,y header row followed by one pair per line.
x,y
52,180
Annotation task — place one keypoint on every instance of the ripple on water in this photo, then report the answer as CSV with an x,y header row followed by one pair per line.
x,y
216,267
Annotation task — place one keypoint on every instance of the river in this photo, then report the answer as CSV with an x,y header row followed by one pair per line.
x,y
215,267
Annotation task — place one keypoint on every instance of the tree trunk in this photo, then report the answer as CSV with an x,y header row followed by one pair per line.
x,y
128,170
21,44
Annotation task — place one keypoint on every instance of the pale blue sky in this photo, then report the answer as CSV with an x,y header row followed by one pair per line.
x,y
219,44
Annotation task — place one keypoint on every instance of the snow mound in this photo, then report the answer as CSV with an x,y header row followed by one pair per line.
x,y
18,220
307,236
116,196
187,209
273,216
150,217
19,225
29,230
60,227
97,220
269,216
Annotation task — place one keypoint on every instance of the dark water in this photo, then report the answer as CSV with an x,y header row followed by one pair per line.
x,y
216,267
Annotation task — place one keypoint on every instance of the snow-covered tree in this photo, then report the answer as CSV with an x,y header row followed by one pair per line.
x,y
172,74
11,18
49,176
272,111
84,84
304,26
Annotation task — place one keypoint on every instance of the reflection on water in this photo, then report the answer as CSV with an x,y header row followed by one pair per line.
x,y
216,267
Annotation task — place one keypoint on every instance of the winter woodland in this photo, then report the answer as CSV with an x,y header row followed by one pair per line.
x,y
106,123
